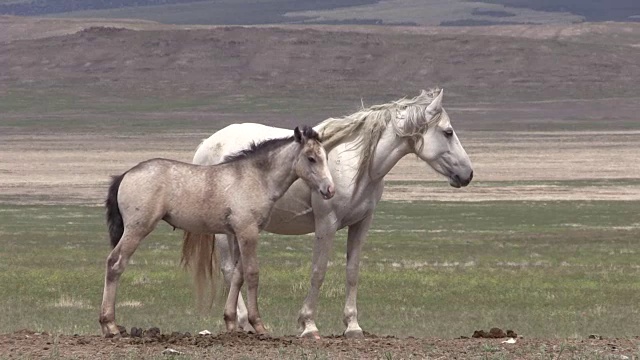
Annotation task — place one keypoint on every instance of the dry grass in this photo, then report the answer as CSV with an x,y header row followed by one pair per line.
x,y
75,169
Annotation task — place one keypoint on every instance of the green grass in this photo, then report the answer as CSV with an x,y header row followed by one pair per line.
x,y
543,269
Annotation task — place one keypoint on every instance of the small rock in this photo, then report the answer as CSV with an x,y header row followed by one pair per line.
x,y
170,351
204,332
512,334
595,336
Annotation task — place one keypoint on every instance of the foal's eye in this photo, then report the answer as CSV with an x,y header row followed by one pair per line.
x,y
311,159
448,132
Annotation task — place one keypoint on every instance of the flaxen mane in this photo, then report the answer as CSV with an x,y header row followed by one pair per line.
x,y
369,124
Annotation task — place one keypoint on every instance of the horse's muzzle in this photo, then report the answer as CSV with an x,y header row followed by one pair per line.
x,y
328,192
457,182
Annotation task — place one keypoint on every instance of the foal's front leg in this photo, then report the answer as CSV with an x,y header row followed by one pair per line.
x,y
248,244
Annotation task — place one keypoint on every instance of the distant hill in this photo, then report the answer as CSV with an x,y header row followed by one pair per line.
x,y
387,12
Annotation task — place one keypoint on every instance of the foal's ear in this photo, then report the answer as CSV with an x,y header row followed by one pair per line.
x,y
297,135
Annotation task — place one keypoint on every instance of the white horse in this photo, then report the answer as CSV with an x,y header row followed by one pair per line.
x,y
362,149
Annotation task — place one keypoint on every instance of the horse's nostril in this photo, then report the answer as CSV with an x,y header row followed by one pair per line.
x,y
471,176
329,190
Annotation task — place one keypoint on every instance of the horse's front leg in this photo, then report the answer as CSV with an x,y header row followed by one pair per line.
x,y
355,239
325,235
248,244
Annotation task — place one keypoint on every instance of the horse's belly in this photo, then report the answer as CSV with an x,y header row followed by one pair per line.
x,y
290,222
292,214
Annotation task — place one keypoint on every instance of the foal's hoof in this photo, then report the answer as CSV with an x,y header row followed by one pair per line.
x,y
314,335
112,330
354,334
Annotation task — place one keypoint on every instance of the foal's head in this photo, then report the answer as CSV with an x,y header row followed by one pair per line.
x,y
311,164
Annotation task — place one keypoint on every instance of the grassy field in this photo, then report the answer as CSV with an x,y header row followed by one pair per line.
x,y
543,269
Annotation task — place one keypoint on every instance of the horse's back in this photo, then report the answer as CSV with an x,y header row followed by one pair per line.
x,y
234,138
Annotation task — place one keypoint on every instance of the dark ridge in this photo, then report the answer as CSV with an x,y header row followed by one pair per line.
x,y
474,22
592,10
492,13
228,12
358,22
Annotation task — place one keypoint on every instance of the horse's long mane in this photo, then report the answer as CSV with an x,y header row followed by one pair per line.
x,y
369,124
266,146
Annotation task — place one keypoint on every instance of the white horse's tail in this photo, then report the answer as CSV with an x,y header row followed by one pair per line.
x,y
199,258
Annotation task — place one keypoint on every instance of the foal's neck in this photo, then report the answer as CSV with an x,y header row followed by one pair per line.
x,y
282,170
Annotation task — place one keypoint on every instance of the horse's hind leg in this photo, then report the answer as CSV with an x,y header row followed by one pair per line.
x,y
225,245
116,263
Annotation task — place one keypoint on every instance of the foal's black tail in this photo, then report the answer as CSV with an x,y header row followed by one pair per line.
x,y
114,218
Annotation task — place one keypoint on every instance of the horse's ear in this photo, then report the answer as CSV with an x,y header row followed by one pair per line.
x,y
436,105
297,135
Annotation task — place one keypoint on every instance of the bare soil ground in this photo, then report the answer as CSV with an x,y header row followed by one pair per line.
x,y
242,346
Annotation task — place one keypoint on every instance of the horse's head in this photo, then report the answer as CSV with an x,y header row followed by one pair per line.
x,y
312,165
434,141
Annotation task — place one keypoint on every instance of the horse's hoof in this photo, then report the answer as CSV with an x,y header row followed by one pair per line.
x,y
314,335
354,334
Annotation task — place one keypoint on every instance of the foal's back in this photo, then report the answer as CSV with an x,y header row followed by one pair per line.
x,y
191,197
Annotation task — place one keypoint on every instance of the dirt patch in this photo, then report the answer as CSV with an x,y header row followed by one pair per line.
x,y
241,345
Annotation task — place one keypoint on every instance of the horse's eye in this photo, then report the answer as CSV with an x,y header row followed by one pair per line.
x,y
448,132
311,159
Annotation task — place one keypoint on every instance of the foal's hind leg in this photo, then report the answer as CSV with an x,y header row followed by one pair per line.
x,y
225,247
236,279
116,263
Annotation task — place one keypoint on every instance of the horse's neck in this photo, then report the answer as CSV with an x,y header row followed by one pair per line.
x,y
282,172
389,150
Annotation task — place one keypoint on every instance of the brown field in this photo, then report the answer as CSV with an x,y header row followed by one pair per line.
x,y
539,109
